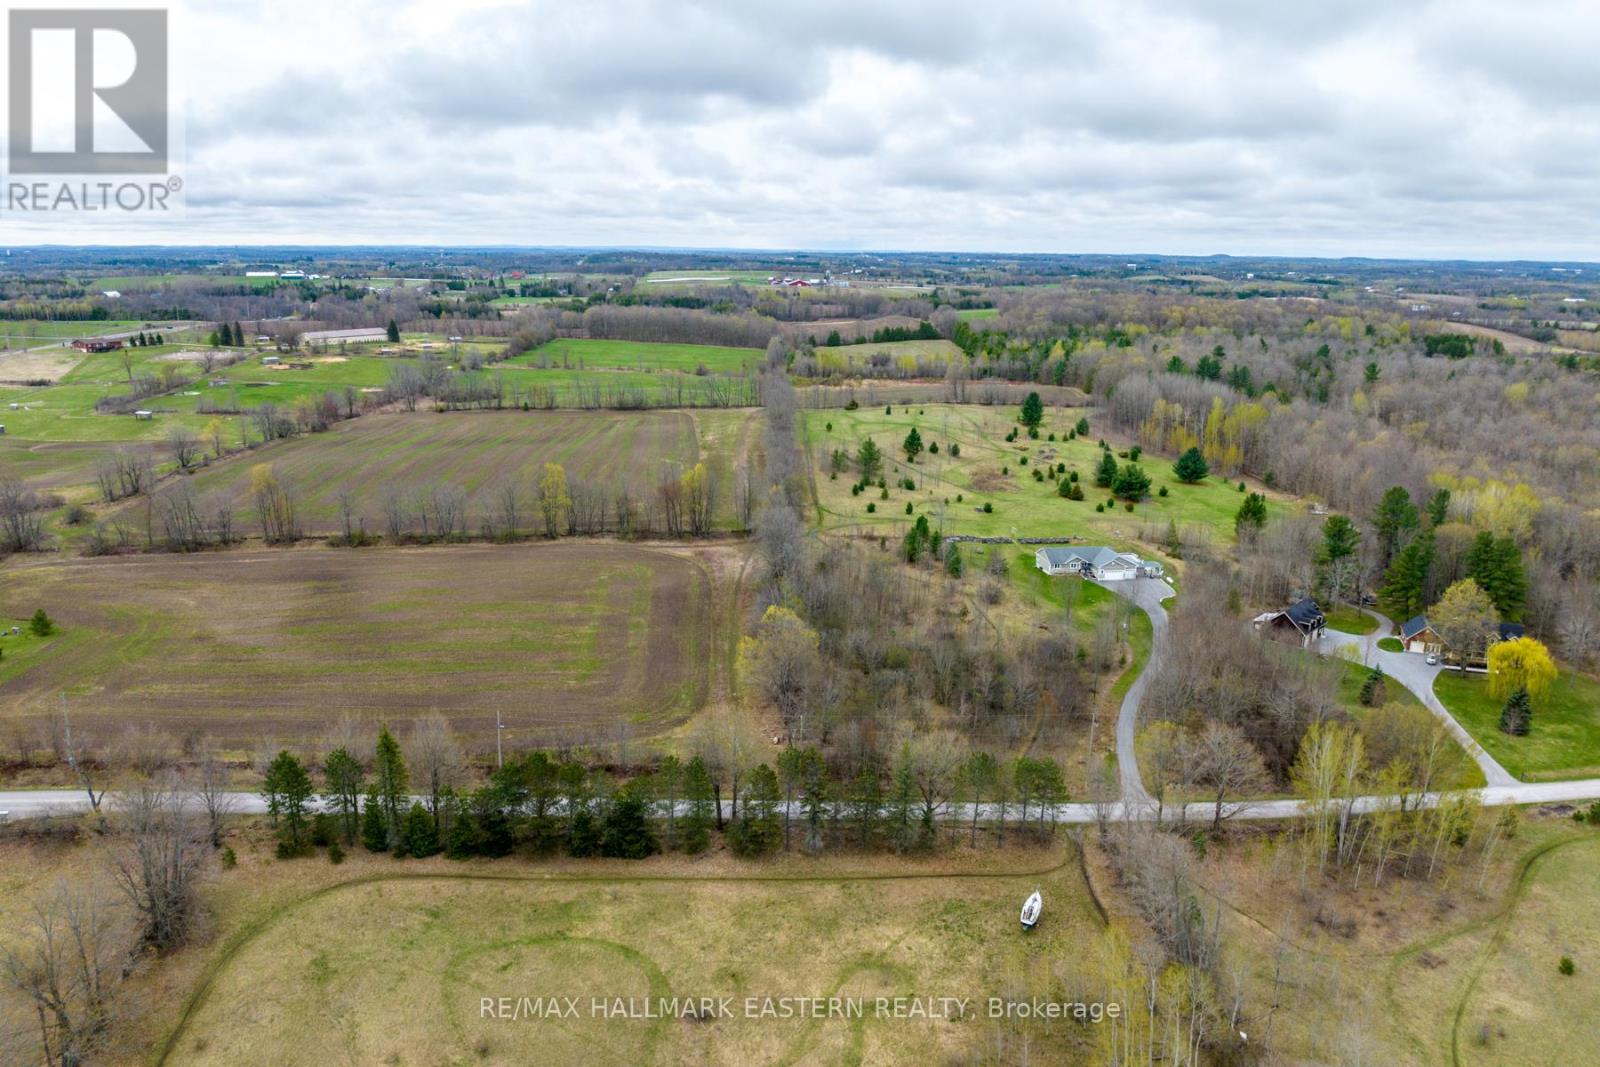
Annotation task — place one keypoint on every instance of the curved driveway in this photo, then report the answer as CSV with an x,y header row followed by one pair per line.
x,y
1147,594
1412,671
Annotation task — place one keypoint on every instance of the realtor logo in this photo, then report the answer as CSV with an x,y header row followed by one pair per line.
x,y
88,91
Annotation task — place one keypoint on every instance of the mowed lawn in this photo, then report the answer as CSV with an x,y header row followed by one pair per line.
x,y
392,969
1564,741
478,454
565,639
952,491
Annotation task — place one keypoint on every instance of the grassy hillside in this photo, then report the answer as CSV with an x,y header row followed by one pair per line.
x,y
953,490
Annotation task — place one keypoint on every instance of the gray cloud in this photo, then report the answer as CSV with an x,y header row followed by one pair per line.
x,y
1410,128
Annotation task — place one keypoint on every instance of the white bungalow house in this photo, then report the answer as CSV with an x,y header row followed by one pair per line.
x,y
1097,562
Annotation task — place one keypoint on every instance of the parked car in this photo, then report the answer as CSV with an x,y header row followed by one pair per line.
x,y
1433,659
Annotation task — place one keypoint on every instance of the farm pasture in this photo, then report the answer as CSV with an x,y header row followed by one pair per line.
x,y
567,641
478,454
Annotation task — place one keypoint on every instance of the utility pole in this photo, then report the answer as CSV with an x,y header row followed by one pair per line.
x,y
499,728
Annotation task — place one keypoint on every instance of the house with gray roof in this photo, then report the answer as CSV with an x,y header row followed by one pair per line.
x,y
1095,561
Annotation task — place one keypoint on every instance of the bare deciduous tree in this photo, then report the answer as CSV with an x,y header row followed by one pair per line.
x,y
65,964
156,860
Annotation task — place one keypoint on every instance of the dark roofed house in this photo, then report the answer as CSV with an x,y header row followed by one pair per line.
x,y
1417,636
1302,622
1510,631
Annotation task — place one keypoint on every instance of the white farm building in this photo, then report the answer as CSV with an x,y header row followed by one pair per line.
x,y
1097,562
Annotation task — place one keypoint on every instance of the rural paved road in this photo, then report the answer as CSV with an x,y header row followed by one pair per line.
x,y
30,803
1412,671
1146,593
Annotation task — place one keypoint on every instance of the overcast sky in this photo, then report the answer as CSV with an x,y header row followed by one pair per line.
x,y
1466,129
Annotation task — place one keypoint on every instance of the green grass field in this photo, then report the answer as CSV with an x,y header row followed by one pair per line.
x,y
28,332
991,471
641,356
1349,620
1564,742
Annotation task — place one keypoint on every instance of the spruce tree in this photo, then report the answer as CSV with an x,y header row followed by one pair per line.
x,y
912,445
1516,718
626,832
1106,472
393,332
389,779
374,827
697,819
1032,411
417,834
1373,689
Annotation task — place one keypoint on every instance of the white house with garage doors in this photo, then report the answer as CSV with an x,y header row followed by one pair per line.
x,y
1097,562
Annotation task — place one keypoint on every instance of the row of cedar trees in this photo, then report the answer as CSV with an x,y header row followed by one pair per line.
x,y
542,804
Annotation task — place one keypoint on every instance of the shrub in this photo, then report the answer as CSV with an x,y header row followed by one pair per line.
x,y
1005,470
958,498
871,508
1052,437
933,448
1566,966
1083,426
988,508
1241,487
229,859
1128,506
76,515
335,853
852,406
1100,507
955,450
1162,491
1023,462
908,507
883,494
41,624
829,426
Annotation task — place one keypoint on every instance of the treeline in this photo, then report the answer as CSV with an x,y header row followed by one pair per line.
x,y
540,803
536,325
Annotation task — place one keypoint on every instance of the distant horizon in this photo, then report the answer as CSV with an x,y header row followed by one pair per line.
x,y
755,251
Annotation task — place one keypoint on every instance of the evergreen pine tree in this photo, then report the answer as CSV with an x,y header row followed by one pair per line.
x,y
697,819
389,779
1191,467
1373,689
626,833
1106,472
1032,411
417,834
374,827
1516,718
